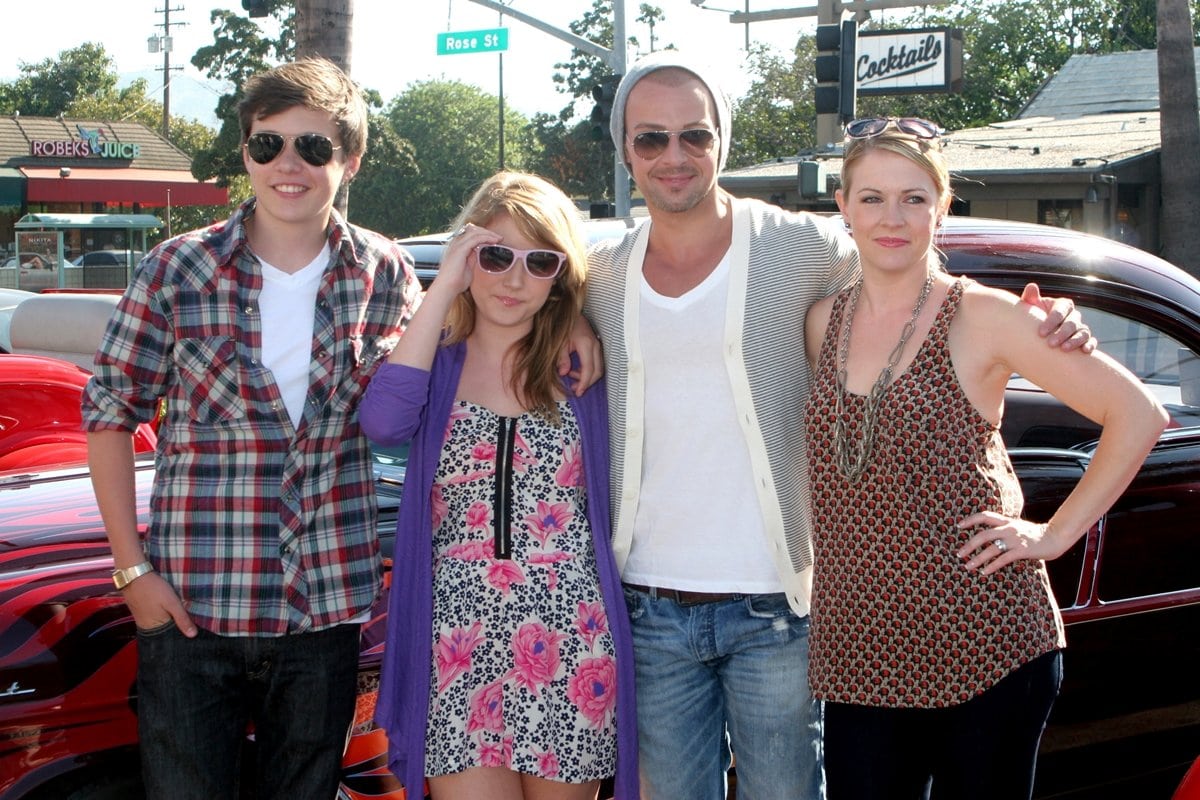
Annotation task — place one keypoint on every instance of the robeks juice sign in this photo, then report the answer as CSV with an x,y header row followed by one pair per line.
x,y
92,144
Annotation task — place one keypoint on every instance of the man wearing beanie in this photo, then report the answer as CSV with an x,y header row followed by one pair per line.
x,y
701,312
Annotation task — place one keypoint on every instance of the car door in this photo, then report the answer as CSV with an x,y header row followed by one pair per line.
x,y
1129,710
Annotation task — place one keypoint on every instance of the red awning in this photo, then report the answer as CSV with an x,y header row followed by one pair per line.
x,y
124,185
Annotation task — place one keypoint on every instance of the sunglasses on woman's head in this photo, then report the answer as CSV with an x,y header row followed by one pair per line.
x,y
873,126
497,259
314,148
651,144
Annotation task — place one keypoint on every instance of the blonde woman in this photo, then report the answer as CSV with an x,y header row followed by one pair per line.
x,y
508,671
936,640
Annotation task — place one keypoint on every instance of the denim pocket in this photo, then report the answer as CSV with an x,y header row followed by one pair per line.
x,y
635,602
157,630
769,606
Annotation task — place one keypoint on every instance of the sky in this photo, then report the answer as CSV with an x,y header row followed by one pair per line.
x,y
395,42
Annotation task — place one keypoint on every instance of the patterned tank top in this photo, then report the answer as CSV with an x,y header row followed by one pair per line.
x,y
897,621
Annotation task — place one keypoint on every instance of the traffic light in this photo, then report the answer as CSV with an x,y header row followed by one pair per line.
x,y
834,67
255,8
604,93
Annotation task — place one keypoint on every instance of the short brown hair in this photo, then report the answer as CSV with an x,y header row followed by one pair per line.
x,y
315,83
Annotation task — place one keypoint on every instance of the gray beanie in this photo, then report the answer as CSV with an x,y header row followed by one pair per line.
x,y
664,59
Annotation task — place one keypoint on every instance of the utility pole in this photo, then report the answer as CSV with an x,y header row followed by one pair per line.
x,y
165,44
614,58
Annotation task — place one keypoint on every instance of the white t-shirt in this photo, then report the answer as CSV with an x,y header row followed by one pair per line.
x,y
288,305
698,524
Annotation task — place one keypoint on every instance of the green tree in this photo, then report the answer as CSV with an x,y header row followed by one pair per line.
x,y
51,86
649,16
776,115
577,76
454,132
240,49
566,154
388,168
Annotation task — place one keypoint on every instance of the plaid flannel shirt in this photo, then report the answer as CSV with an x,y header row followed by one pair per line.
x,y
263,528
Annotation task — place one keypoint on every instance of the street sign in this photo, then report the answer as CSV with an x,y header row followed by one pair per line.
x,y
485,41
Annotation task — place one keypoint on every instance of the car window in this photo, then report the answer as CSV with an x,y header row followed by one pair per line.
x,y
1127,567
1151,355
390,456
1164,365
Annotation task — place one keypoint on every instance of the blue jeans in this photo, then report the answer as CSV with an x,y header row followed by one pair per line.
x,y
196,696
740,666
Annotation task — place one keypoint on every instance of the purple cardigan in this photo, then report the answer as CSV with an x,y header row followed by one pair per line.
x,y
404,404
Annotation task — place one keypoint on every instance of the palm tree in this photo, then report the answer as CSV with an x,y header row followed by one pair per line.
x,y
1180,131
325,28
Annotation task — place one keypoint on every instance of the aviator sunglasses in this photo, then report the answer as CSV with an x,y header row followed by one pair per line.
x,y
650,145
873,126
497,259
314,148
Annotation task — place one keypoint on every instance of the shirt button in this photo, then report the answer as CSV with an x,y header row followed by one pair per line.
x,y
249,309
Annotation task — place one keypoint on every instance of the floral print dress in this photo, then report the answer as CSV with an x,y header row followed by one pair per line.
x,y
523,672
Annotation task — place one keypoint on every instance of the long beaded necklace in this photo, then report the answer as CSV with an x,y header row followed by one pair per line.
x,y
852,457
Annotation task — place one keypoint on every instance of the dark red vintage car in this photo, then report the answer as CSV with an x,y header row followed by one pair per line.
x,y
1127,724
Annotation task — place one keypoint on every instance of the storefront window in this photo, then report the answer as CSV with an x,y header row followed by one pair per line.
x,y
1061,213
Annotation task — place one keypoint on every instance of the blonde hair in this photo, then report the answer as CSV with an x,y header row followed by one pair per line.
x,y
925,153
545,215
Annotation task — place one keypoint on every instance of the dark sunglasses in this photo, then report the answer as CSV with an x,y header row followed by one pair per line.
x,y
873,126
314,148
651,144
499,258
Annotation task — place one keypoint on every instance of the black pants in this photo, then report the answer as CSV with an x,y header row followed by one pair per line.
x,y
984,749
195,697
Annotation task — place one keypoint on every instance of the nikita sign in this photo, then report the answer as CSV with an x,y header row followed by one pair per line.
x,y
485,41
908,61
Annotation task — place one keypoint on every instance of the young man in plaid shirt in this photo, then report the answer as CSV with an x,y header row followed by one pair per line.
x,y
261,556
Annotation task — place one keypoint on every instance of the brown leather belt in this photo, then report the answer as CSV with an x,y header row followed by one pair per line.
x,y
684,597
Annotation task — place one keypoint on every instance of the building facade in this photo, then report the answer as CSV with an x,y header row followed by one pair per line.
x,y
63,166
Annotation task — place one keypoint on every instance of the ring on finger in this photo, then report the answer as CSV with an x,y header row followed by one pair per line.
x,y
1000,545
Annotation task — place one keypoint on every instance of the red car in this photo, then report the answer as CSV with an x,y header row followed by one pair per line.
x,y
1127,724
